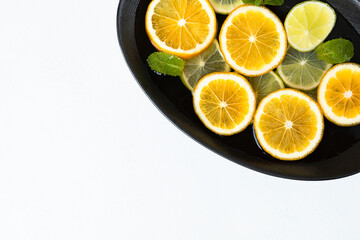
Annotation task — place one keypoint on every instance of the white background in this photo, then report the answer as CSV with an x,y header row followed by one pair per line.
x,y
85,155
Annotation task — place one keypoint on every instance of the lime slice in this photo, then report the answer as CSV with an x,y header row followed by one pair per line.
x,y
225,6
308,24
211,60
302,70
265,84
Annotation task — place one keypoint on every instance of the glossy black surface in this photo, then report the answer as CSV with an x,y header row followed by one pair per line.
x,y
338,155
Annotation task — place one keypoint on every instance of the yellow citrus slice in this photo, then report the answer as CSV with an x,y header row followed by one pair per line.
x,y
184,28
224,102
339,94
308,24
288,124
253,40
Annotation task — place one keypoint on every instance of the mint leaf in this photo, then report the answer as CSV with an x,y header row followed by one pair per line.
x,y
258,2
249,1
274,2
335,51
166,63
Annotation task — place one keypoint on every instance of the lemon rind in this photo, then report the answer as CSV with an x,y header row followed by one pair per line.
x,y
327,110
243,83
185,54
283,38
313,143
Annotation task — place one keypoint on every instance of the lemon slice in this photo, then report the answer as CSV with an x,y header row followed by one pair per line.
x,y
339,94
288,124
224,102
302,70
209,61
265,84
181,27
308,24
253,40
225,6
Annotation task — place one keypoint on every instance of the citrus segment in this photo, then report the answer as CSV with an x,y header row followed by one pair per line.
x,y
224,102
288,124
209,61
308,24
339,94
253,40
184,28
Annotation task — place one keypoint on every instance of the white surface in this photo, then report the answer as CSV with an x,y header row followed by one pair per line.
x,y
78,161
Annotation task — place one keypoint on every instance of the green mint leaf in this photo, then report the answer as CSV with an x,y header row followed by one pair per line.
x,y
335,51
249,1
166,63
274,2
258,2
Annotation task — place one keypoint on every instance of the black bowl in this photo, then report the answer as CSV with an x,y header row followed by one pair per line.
x,y
338,155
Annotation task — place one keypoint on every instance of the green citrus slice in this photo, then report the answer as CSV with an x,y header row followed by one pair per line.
x,y
225,6
265,84
302,70
308,24
209,61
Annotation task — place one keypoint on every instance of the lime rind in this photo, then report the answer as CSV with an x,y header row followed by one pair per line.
x,y
265,84
302,70
225,6
209,61
297,20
